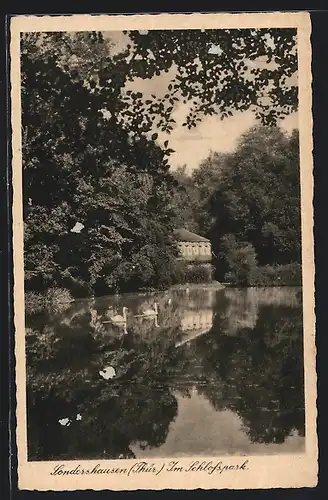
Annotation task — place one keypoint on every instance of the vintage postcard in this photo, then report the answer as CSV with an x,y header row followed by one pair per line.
x,y
163,251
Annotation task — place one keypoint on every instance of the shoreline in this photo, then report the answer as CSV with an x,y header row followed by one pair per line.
x,y
186,287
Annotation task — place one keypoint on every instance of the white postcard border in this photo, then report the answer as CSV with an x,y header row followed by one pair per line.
x,y
260,471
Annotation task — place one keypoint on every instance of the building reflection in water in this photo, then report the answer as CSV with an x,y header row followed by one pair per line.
x,y
197,320
239,364
194,324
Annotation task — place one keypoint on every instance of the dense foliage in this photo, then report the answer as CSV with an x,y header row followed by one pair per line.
x,y
248,203
257,199
82,168
100,204
100,201
219,71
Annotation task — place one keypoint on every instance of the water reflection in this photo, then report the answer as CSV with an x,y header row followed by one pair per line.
x,y
211,372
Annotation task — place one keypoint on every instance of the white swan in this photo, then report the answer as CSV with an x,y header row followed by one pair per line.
x,y
119,320
151,312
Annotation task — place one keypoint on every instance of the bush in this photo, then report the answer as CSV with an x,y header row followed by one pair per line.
x,y
238,264
239,259
193,273
199,274
53,300
286,275
34,303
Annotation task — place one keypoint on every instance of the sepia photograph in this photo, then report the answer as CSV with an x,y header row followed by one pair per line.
x,y
161,240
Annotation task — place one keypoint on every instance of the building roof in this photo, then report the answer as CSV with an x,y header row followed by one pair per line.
x,y
185,235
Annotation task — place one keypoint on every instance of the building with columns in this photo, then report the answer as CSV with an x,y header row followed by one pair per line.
x,y
193,247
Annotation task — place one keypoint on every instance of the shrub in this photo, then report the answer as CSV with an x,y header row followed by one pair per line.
x,y
180,272
53,300
279,275
197,273
239,259
239,266
34,302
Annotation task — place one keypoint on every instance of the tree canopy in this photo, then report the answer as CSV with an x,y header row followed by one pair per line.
x,y
247,202
219,71
258,197
80,167
91,155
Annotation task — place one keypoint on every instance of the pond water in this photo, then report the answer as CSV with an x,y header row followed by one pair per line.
x,y
213,372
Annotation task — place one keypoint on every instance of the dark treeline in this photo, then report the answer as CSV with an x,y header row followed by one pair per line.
x,y
100,201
